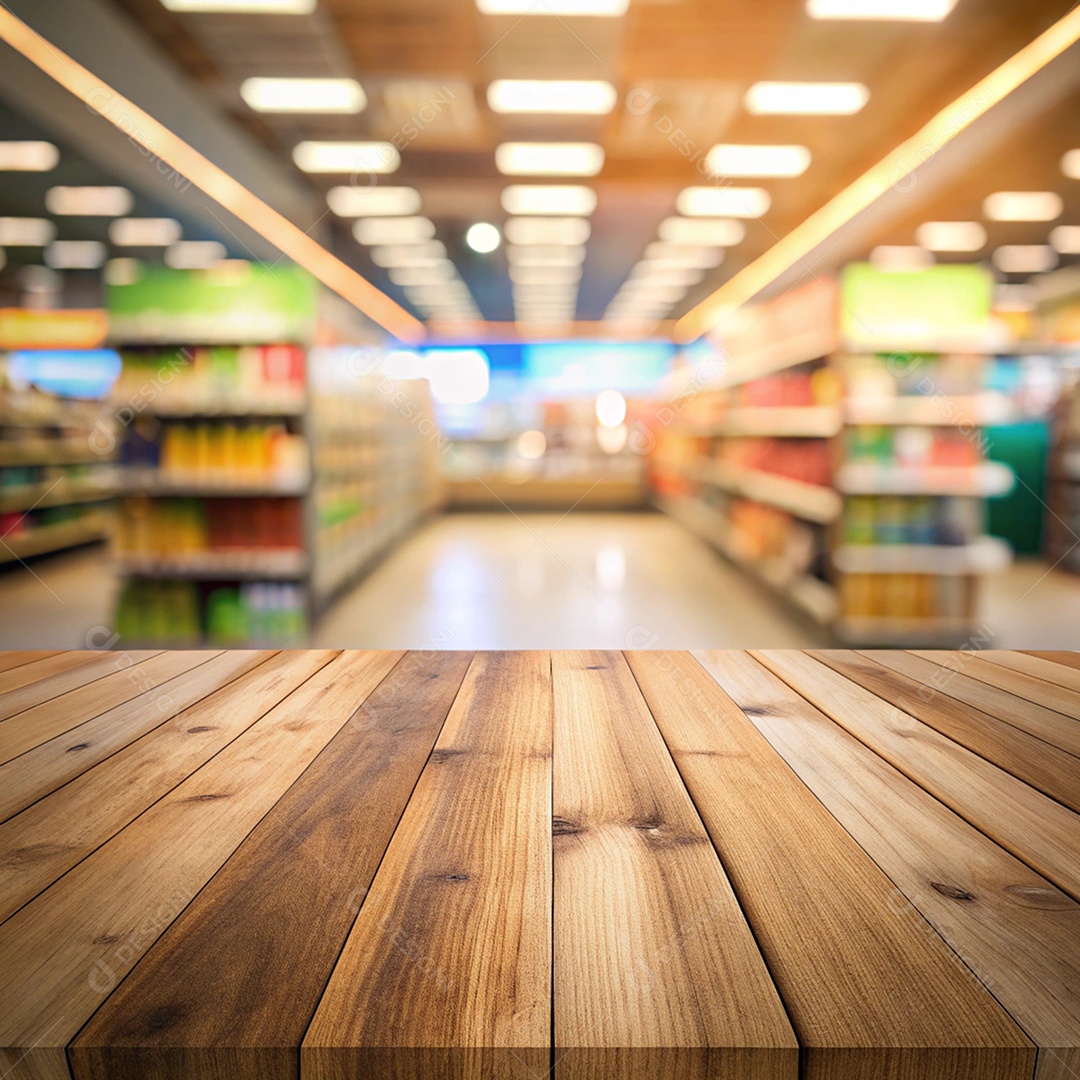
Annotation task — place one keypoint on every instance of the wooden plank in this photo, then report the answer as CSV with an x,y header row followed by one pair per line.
x,y
9,660
231,987
868,946
1052,727
1017,932
50,837
1041,832
1037,763
34,683
1069,659
64,952
46,767
456,929
45,721
1037,667
645,917
1058,698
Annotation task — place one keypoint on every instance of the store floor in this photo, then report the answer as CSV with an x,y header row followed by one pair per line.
x,y
497,580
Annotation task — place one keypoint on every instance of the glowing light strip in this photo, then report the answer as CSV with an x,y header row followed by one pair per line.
x,y
877,180
139,125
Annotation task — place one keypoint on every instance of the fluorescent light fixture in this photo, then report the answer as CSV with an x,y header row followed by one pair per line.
x,y
194,254
685,254
737,159
366,201
28,156
608,8
659,275
951,236
901,257
26,231
1070,164
393,230
1066,239
123,271
654,291
734,202
587,97
1023,206
549,159
144,232
546,231
244,7
544,275
436,274
900,10
361,158
610,408
458,376
483,237
540,255
408,254
75,254
89,201
274,95
548,199
1025,258
805,98
717,232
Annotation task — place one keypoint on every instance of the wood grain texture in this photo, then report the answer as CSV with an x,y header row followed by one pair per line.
x,y
64,952
1013,928
1047,670
52,835
645,917
1038,763
47,666
32,775
868,944
11,660
231,987
1069,659
140,678
1046,724
447,971
1041,832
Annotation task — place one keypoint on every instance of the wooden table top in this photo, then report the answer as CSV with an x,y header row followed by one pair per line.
x,y
254,865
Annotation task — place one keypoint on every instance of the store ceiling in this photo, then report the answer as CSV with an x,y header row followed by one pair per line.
x,y
692,59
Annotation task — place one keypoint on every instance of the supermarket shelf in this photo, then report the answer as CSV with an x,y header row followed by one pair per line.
x,y
48,538
64,451
986,479
785,421
240,565
200,485
893,631
53,493
812,596
560,492
973,410
986,555
811,502
793,351
268,410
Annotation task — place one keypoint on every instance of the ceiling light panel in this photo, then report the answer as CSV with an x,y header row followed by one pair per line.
x,y
26,232
194,254
899,10
1066,239
546,231
75,254
704,258
1025,258
734,202
28,156
144,232
1070,164
805,98
89,201
654,274
272,95
1023,206
549,159
376,201
434,274
548,199
541,255
359,158
393,230
545,275
737,159
901,257
715,232
951,236
557,97
601,8
408,254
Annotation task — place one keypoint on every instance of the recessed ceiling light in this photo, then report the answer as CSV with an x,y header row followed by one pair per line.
x,y
1070,164
89,201
1025,258
26,231
715,232
805,98
736,159
1023,206
75,254
194,254
393,230
303,95
907,10
546,255
544,275
737,202
901,257
1066,239
554,96
376,201
951,235
435,274
360,158
549,159
244,7
408,254
28,156
548,199
483,237
609,8
144,232
698,255
559,230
